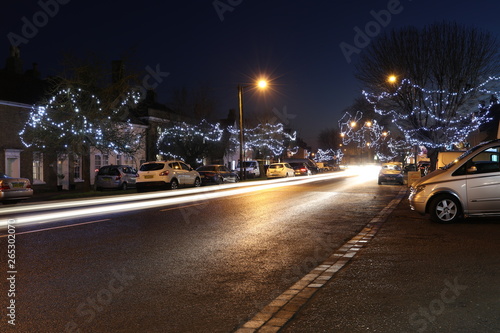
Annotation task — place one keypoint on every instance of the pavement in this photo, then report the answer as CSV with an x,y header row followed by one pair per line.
x,y
402,273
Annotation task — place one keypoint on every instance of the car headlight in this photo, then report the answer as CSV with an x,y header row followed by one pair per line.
x,y
418,188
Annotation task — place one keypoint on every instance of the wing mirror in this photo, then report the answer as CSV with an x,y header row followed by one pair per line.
x,y
472,169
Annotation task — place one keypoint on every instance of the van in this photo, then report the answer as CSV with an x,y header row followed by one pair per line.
x,y
469,186
251,169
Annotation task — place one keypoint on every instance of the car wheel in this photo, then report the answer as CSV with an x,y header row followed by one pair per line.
x,y
379,182
445,209
219,180
124,186
174,184
236,179
197,182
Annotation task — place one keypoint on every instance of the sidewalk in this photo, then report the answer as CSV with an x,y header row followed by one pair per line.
x,y
413,276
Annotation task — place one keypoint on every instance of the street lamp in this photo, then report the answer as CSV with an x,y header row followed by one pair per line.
x,y
262,84
392,79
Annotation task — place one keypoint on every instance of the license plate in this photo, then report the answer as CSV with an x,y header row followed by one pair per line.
x,y
17,185
148,176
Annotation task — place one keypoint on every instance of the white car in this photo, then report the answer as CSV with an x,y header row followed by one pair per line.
x,y
166,175
276,170
12,190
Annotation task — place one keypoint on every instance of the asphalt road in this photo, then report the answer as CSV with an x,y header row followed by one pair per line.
x,y
212,265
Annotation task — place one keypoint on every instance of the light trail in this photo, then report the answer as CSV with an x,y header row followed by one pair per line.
x,y
112,205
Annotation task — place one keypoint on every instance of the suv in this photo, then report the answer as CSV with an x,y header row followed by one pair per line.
x,y
166,175
468,186
115,176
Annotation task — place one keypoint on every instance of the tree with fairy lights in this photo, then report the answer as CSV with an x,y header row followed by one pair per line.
x,y
190,143
193,143
430,81
83,111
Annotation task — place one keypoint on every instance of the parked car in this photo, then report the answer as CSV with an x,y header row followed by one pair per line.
x,y
115,177
391,172
300,169
251,168
13,190
166,175
276,170
469,186
311,165
217,174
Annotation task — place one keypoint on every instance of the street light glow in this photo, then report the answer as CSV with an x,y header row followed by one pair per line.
x,y
262,84
392,78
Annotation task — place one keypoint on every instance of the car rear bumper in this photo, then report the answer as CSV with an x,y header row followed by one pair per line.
x,y
16,195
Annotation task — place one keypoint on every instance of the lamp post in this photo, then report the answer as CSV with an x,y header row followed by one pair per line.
x,y
262,84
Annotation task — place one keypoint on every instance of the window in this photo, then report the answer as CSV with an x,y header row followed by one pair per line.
x,y
105,159
97,162
77,167
118,159
485,162
37,167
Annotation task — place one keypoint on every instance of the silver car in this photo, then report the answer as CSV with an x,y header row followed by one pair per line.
x,y
13,190
468,186
115,177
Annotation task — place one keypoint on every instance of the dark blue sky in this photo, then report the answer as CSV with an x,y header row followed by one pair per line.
x,y
296,44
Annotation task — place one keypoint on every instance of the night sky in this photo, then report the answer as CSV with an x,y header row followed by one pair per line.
x,y
296,44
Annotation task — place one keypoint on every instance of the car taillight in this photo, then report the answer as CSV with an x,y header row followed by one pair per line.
x,y
164,173
210,174
4,187
118,177
303,169
28,186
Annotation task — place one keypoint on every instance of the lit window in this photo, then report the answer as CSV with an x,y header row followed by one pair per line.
x,y
77,167
37,167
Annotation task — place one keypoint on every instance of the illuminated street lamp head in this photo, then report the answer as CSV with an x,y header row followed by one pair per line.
x,y
353,124
262,84
392,79
368,123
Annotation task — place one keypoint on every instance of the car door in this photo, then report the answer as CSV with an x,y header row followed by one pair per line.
x,y
483,182
176,172
186,174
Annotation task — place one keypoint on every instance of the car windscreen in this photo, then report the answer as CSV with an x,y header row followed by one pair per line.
x,y
152,166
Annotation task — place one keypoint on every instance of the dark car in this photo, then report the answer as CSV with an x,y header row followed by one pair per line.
x,y
115,177
300,169
217,174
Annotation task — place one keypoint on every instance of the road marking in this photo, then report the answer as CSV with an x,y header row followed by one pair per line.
x,y
60,227
279,311
180,207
